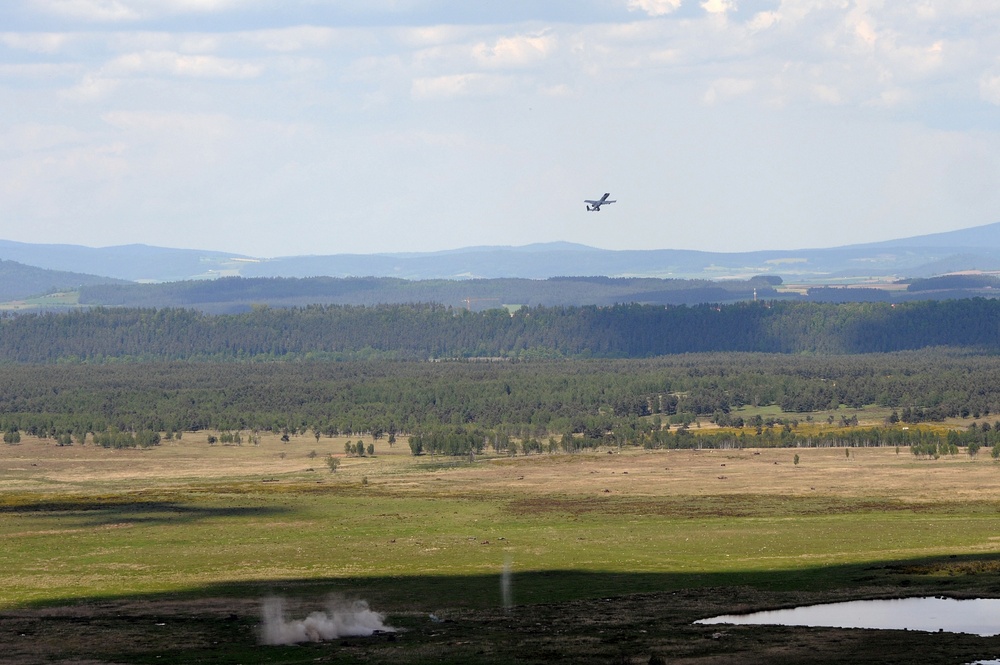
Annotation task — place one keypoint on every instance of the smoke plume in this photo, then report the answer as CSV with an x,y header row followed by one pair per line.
x,y
506,595
342,619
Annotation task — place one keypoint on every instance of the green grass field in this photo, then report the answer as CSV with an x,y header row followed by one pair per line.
x,y
192,536
60,299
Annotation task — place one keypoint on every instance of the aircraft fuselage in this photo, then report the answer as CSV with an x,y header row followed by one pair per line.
x,y
595,206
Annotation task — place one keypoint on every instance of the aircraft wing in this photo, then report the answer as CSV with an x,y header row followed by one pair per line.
x,y
602,201
596,205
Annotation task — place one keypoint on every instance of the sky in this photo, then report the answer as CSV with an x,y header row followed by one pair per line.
x,y
287,127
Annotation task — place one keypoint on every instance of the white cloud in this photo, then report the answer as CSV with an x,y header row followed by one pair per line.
x,y
862,27
93,87
195,5
826,94
199,43
86,165
559,90
90,10
299,38
179,124
725,89
989,88
654,7
425,139
35,42
158,142
948,10
665,56
460,85
517,51
40,72
891,97
763,21
128,41
916,61
130,10
432,35
33,137
176,64
717,6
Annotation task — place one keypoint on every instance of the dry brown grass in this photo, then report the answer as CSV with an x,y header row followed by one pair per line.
x,y
37,465
823,471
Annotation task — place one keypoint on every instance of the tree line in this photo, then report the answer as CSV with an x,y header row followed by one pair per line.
x,y
450,404
420,332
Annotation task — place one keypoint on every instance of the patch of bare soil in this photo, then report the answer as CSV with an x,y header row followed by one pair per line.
x,y
630,629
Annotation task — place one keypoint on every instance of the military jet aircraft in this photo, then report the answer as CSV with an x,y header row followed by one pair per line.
x,y
595,206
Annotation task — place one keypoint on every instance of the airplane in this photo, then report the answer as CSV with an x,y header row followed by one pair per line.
x,y
595,206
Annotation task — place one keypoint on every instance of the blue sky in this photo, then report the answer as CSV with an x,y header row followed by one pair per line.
x,y
282,127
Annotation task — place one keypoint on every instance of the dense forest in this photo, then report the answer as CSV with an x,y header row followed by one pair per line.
x,y
458,406
236,294
421,332
540,378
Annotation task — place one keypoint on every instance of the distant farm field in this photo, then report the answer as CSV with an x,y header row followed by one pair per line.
x,y
129,555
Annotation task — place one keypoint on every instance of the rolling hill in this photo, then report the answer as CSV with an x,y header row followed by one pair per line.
x,y
19,281
975,248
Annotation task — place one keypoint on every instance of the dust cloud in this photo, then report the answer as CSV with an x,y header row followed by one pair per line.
x,y
343,618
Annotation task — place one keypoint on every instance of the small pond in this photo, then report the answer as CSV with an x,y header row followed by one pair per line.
x,y
979,616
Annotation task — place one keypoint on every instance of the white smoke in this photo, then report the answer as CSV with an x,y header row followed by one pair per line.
x,y
342,619
506,594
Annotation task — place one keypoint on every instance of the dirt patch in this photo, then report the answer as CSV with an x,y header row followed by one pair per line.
x,y
627,629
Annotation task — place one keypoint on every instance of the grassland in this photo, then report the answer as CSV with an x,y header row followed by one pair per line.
x,y
61,299
140,555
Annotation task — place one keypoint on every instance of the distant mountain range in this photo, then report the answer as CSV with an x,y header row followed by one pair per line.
x,y
920,256
491,276
133,263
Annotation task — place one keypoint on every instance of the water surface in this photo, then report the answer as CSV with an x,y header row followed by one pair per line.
x,y
978,616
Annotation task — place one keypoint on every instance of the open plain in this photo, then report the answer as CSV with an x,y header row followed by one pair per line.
x,y
141,555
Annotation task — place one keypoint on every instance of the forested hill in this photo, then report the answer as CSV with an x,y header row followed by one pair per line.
x,y
432,331
237,294
230,295
21,281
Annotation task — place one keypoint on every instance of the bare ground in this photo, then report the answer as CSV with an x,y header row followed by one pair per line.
x,y
618,630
